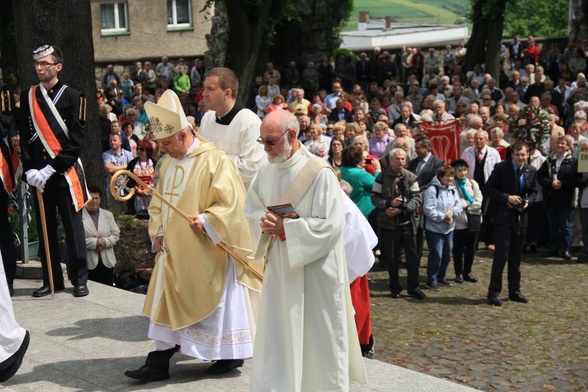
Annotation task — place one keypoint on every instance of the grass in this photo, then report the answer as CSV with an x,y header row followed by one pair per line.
x,y
410,11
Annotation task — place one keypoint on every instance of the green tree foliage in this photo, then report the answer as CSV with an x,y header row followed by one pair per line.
x,y
537,18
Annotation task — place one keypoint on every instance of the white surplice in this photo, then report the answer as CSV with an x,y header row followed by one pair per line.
x,y
238,139
306,337
227,333
360,239
11,334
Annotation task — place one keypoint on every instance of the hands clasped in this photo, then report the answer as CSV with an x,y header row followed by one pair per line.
x,y
449,216
38,178
272,224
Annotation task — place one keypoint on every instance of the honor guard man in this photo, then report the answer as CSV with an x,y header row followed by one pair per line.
x,y
9,162
52,133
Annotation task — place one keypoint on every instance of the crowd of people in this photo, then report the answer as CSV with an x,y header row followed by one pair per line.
x,y
515,186
373,113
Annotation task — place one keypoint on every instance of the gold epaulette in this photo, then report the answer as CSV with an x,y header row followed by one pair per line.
x,y
6,104
82,109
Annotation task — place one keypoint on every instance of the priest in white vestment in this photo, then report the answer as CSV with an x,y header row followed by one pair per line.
x,y
200,301
14,340
306,338
232,128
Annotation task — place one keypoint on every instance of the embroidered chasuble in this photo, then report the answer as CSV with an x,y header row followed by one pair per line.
x,y
188,280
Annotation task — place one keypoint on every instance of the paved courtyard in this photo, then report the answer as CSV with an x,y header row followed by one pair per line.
x,y
455,335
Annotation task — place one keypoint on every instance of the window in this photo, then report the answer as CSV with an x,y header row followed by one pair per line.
x,y
114,17
179,14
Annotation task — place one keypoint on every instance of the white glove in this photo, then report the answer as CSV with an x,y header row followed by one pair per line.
x,y
32,177
44,175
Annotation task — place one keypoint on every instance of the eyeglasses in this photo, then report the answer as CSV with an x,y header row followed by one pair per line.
x,y
271,142
42,64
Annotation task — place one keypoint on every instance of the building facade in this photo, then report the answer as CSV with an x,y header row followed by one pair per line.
x,y
128,30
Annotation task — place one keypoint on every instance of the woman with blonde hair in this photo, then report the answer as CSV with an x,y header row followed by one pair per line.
x,y
262,101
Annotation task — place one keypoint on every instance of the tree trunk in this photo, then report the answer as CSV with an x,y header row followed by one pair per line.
x,y
8,46
578,28
493,37
68,25
484,44
246,37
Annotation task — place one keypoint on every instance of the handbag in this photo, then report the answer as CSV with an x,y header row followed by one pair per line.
x,y
474,222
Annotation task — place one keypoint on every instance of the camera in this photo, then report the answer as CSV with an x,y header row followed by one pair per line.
x,y
521,207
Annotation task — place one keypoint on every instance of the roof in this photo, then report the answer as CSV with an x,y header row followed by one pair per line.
x,y
402,34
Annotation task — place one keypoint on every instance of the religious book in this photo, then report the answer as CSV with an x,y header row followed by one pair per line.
x,y
284,210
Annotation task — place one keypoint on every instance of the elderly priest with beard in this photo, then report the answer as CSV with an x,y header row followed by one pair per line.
x,y
199,300
307,339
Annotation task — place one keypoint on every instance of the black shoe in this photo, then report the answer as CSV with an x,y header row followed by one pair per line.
x,y
433,286
581,261
146,374
551,253
45,291
417,293
224,366
494,299
566,256
470,278
533,247
459,278
81,290
444,282
516,296
395,295
9,367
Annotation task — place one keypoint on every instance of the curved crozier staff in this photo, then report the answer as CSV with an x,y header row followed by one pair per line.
x,y
241,255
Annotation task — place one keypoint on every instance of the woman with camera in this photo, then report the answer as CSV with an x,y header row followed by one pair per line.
x,y
441,205
352,171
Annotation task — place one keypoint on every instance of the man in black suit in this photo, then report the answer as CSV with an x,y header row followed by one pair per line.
x,y
340,113
512,187
425,166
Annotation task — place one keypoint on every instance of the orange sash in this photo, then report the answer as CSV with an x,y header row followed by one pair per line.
x,y
5,173
53,147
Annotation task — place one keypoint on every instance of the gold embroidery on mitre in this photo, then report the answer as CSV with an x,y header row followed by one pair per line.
x,y
156,123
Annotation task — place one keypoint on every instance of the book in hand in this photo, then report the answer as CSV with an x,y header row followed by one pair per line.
x,y
284,210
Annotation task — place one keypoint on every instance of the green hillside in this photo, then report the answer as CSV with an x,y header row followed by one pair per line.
x,y
410,11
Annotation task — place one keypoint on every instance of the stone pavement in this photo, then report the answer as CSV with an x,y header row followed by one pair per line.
x,y
86,344
455,335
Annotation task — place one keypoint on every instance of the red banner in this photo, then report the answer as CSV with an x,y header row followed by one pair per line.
x,y
445,140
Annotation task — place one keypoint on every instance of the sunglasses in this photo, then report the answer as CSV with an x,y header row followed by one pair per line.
x,y
271,142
